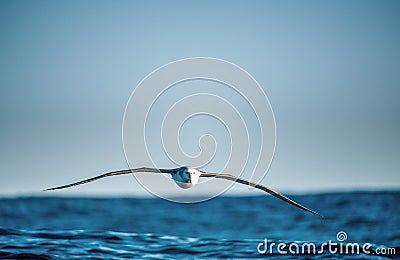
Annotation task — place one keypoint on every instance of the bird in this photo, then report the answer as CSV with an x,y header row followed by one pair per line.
x,y
186,177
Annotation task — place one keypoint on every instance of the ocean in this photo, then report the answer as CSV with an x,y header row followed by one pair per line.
x,y
223,227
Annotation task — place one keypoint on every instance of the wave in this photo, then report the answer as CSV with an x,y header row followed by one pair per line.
x,y
50,244
225,227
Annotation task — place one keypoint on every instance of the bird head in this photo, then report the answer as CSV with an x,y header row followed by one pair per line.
x,y
186,177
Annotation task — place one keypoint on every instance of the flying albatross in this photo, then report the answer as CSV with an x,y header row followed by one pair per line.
x,y
186,177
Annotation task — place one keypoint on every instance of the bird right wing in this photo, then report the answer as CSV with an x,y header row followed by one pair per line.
x,y
128,171
257,186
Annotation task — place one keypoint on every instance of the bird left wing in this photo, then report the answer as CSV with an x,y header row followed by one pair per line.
x,y
257,186
128,171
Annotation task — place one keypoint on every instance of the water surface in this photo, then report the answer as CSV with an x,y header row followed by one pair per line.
x,y
228,227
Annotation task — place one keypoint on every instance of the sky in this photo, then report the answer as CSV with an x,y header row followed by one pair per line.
x,y
330,70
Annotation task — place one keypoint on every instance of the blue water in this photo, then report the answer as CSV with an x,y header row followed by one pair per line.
x,y
224,227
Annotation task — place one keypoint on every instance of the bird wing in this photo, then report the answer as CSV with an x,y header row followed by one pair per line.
x,y
128,171
257,186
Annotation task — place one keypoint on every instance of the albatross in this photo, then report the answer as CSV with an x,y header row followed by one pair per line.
x,y
186,177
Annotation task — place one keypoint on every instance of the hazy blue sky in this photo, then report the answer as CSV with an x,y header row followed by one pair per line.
x,y
331,70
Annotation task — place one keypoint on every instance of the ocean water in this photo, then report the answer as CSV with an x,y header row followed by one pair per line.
x,y
224,227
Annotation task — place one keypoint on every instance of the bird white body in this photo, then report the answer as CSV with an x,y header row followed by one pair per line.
x,y
186,177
